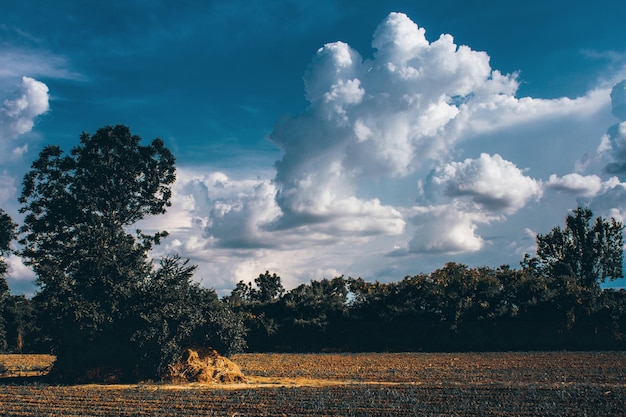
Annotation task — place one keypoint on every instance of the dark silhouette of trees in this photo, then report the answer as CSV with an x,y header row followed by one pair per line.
x,y
553,302
105,307
7,234
173,312
22,333
588,252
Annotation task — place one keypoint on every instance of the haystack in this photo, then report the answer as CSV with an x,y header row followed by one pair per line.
x,y
205,366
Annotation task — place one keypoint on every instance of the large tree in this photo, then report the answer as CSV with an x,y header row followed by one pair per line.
x,y
79,209
585,251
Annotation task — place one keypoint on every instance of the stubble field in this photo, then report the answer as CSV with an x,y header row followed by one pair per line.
x,y
376,384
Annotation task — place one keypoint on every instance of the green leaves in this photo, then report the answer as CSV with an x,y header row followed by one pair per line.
x,y
77,210
102,301
588,252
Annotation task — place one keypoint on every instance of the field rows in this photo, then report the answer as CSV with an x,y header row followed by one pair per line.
x,y
532,367
508,384
362,400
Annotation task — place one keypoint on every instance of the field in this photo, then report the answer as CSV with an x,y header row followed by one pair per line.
x,y
408,384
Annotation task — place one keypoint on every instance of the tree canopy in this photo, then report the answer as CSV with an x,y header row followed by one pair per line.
x,y
590,252
553,302
101,300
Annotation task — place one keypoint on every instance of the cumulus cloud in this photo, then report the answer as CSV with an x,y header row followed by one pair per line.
x,y
586,186
375,118
465,195
491,182
613,143
374,127
446,229
605,197
611,201
384,117
18,114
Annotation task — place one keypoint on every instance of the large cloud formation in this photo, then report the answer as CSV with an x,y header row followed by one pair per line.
x,y
372,163
376,118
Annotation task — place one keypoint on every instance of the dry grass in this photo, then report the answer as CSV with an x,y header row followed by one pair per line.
x,y
489,384
16,365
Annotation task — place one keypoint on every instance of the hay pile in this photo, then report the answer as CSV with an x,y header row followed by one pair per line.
x,y
205,366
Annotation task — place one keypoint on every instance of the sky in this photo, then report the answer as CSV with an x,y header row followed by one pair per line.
x,y
313,139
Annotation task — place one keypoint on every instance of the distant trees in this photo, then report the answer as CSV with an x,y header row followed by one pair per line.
x,y
553,302
575,260
588,252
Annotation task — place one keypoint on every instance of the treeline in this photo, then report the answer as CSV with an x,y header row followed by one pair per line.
x,y
554,301
454,308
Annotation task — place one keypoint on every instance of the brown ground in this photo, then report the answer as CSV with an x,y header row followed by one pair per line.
x,y
17,365
406,384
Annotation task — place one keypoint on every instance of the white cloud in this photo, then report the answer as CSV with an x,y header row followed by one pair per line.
x,y
18,114
491,182
496,112
586,186
343,196
371,119
35,63
446,229
611,152
615,147
610,201
20,278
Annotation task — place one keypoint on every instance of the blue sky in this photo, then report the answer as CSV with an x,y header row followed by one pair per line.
x,y
320,138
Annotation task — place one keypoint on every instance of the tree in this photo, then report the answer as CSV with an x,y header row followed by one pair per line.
x,y
22,335
175,313
588,252
269,288
78,208
573,262
7,234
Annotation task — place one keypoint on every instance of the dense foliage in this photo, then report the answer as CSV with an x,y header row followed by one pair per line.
x,y
553,302
103,305
7,234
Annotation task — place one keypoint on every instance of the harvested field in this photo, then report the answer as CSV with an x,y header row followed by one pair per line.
x,y
424,368
491,384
